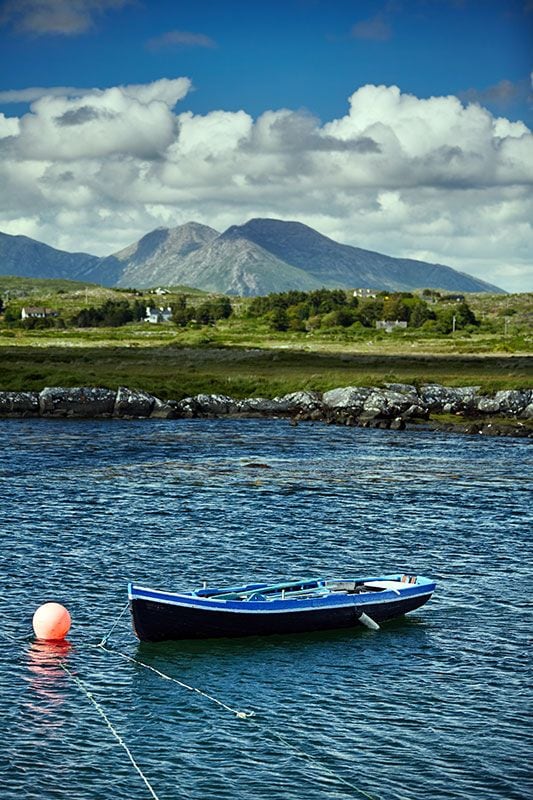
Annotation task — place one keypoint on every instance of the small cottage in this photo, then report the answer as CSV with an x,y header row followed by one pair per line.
x,y
156,315
389,325
37,312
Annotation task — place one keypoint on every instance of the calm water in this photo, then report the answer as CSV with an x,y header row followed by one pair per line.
x,y
434,705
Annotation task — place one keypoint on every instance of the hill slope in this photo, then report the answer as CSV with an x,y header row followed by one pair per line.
x,y
241,267
25,257
340,265
155,259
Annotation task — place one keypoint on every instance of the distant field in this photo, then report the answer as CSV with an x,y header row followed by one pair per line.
x,y
243,356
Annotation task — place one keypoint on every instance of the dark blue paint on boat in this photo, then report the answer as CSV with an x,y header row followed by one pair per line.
x,y
262,609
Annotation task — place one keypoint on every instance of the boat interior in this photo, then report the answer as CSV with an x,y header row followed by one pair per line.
x,y
306,589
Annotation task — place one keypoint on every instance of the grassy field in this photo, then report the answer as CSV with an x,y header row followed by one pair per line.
x,y
244,357
173,372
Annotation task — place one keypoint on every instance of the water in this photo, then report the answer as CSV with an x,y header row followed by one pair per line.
x,y
434,705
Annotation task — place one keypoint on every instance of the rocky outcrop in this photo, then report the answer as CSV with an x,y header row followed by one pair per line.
x,y
207,405
19,404
352,397
447,400
131,403
84,401
164,410
394,406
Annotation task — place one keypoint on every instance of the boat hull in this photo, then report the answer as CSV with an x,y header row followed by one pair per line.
x,y
161,616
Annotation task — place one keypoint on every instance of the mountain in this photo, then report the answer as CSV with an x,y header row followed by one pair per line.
x,y
155,259
261,256
241,267
339,265
27,258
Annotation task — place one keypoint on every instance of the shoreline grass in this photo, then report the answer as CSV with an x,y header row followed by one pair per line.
x,y
173,371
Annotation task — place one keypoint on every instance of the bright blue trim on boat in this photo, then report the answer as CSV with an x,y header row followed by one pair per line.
x,y
423,587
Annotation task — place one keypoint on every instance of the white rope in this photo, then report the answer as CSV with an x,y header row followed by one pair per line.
x,y
115,733
114,625
238,714
320,764
245,715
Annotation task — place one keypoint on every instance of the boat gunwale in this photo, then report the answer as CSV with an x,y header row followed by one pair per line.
x,y
334,600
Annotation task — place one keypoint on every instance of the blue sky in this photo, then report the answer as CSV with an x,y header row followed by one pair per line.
x,y
187,119
294,53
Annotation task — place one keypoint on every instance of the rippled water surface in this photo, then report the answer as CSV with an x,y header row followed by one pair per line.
x,y
434,705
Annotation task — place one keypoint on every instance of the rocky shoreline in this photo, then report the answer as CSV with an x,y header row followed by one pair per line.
x,y
396,406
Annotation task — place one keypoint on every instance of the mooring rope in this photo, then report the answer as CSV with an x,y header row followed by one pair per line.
x,y
246,715
114,625
113,730
238,714
320,764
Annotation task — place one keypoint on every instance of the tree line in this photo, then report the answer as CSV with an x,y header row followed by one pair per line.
x,y
336,308
281,311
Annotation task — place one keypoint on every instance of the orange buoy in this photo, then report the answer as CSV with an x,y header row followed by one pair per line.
x,y
51,622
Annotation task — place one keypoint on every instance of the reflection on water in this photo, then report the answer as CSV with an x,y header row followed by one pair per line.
x,y
46,678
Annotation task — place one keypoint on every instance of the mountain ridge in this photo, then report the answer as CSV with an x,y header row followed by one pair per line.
x,y
27,257
261,256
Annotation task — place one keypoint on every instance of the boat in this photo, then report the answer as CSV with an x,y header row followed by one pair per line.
x,y
260,609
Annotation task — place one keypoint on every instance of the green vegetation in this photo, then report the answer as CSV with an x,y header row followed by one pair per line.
x,y
336,308
174,372
259,346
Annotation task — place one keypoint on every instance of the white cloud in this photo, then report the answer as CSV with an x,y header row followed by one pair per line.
x,y
53,17
376,28
95,169
135,121
35,92
180,39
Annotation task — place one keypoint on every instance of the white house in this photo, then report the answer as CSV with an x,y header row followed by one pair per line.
x,y
37,312
389,325
155,315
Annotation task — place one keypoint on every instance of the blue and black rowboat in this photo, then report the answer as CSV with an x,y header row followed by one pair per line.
x,y
260,609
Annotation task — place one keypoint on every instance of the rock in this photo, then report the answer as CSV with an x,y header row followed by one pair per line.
x,y
445,398
368,415
404,388
386,403
19,404
187,407
164,410
527,413
486,405
209,405
352,397
397,424
131,403
84,401
293,403
514,401
416,411
300,401
260,405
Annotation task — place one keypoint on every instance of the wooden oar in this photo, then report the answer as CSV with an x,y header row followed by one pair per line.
x,y
276,587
